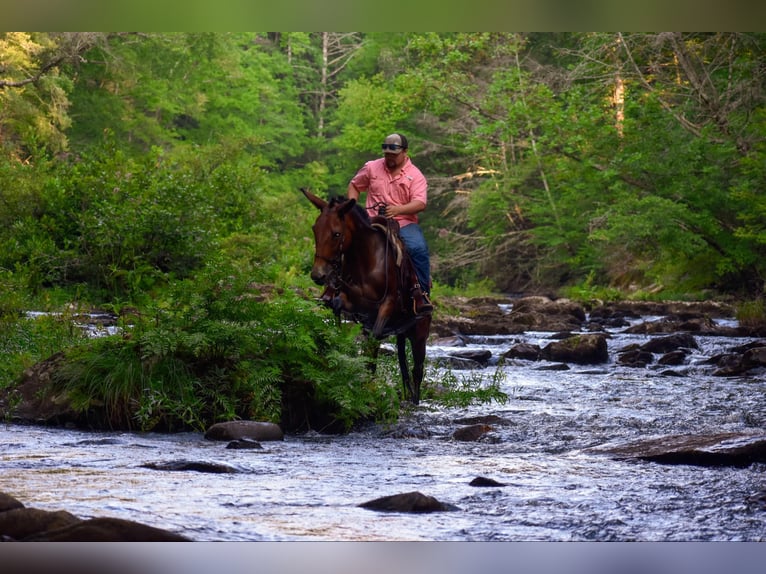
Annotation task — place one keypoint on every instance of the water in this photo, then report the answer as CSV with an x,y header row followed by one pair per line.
x,y
307,487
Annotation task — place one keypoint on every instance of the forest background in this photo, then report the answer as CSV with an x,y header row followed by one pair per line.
x,y
158,175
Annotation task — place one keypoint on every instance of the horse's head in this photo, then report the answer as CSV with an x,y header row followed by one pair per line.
x,y
332,236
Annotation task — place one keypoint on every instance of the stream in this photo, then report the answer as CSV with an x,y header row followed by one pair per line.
x,y
308,487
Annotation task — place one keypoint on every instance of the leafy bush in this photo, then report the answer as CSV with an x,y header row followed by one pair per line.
x,y
222,347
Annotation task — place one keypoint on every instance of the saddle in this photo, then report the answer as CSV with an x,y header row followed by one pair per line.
x,y
390,228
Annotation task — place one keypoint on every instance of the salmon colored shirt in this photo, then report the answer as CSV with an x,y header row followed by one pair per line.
x,y
381,187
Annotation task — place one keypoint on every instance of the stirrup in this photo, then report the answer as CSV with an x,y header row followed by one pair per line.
x,y
420,303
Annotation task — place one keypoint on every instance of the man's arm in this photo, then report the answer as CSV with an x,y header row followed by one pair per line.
x,y
352,192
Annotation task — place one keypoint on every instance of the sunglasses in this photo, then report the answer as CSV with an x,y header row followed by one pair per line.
x,y
391,147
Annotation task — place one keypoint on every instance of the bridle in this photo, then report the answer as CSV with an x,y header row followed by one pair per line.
x,y
336,280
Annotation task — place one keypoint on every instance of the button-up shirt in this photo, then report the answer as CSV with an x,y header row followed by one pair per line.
x,y
381,187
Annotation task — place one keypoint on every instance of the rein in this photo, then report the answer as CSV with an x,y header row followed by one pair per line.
x,y
338,262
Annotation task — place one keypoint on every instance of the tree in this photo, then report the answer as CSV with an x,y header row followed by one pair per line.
x,y
34,88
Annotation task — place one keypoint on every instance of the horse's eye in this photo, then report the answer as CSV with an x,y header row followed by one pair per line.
x,y
336,234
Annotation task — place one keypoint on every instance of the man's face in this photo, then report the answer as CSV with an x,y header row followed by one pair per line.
x,y
394,157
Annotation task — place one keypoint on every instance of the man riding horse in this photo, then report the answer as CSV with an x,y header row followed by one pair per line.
x,y
397,190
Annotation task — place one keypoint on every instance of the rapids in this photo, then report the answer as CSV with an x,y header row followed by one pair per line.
x,y
307,487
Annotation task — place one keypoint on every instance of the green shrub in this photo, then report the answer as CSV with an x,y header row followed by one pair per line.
x,y
222,347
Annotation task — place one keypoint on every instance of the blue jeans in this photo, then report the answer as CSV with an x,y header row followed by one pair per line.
x,y
413,238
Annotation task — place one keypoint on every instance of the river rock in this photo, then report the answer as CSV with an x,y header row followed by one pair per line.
x,y
107,530
244,444
471,433
740,360
483,481
670,343
720,449
635,357
673,358
8,502
254,430
20,523
480,356
581,349
23,524
526,351
191,465
407,502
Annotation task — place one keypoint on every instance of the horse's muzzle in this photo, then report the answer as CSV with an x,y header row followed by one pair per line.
x,y
319,275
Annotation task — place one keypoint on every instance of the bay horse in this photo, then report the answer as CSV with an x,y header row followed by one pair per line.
x,y
370,274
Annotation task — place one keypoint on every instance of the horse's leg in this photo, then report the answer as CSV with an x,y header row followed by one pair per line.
x,y
418,336
385,311
401,353
371,348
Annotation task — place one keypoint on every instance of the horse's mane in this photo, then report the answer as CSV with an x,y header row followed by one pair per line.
x,y
360,211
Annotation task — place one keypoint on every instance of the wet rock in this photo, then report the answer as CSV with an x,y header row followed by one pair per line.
x,y
673,358
457,363
407,502
681,322
554,367
721,449
471,433
740,360
483,481
22,524
107,530
19,523
636,309
670,343
235,430
480,356
244,443
454,341
581,349
487,316
8,502
526,351
191,465
635,358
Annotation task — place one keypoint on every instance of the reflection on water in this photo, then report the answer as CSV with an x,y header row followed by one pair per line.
x,y
308,487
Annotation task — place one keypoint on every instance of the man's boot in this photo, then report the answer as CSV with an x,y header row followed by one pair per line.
x,y
421,304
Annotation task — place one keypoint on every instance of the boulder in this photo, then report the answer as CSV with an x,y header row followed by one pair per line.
x,y
720,449
581,349
407,502
254,430
480,356
107,530
526,351
670,343
471,433
8,502
483,481
19,523
191,465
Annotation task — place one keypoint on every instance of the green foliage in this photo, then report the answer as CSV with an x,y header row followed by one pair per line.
x,y
25,341
449,390
219,348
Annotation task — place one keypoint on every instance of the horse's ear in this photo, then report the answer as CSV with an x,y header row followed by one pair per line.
x,y
318,202
346,207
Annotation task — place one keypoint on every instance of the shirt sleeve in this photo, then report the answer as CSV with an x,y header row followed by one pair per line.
x,y
361,180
